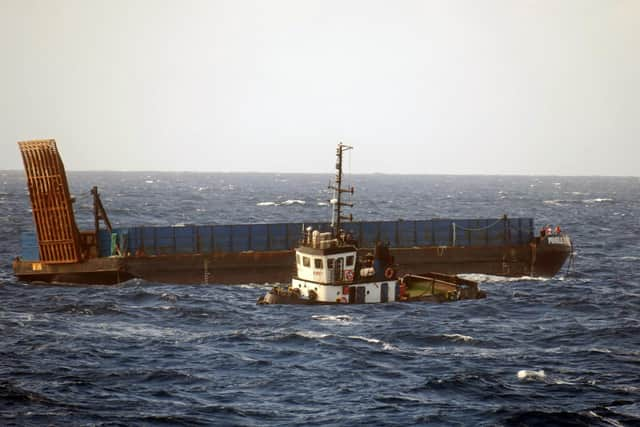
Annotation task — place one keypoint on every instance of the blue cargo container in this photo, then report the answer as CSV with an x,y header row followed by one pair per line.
x,y
272,237
29,246
190,239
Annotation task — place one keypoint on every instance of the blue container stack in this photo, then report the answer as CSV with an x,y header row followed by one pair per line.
x,y
190,239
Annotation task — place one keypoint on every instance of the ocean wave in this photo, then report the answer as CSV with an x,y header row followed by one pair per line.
x,y
340,318
384,345
285,203
143,331
598,200
361,338
99,309
531,375
256,285
554,202
10,392
560,202
458,337
558,418
407,364
389,347
312,334
488,278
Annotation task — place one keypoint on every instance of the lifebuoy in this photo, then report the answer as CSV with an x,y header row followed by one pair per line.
x,y
348,274
389,273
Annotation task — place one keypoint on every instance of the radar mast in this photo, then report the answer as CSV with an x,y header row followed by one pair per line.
x,y
337,217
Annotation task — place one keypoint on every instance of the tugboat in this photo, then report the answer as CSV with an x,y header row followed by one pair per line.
x,y
329,271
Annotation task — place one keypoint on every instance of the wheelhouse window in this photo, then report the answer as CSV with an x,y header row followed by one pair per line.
x,y
317,262
297,259
349,260
330,263
306,261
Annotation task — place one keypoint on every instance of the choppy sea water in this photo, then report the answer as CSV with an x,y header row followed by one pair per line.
x,y
561,351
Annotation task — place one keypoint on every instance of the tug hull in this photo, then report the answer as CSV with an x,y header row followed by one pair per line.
x,y
425,287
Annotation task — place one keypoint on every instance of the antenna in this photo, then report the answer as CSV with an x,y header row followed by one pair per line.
x,y
337,217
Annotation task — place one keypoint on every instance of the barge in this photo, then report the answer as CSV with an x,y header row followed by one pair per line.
x,y
58,252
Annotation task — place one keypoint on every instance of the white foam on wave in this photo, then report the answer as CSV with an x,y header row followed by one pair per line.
x,y
285,203
577,381
126,330
488,278
20,317
459,337
293,202
531,375
342,318
560,202
255,286
600,350
323,204
389,347
369,340
597,200
312,334
385,345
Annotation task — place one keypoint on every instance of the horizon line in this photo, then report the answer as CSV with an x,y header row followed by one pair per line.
x,y
331,173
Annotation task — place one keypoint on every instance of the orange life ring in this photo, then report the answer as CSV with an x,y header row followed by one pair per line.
x,y
348,274
389,273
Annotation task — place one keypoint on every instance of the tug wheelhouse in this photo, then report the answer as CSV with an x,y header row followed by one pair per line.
x,y
328,270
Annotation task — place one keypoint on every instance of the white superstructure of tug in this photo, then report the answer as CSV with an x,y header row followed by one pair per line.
x,y
326,273
327,265
329,270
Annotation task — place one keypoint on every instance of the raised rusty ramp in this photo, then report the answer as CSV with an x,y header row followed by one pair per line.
x,y
58,236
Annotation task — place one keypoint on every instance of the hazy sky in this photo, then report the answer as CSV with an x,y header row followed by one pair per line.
x,y
472,87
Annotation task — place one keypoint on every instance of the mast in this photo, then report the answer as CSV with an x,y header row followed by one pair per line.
x,y
99,213
336,220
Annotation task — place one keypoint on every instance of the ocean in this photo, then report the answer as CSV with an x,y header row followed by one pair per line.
x,y
535,352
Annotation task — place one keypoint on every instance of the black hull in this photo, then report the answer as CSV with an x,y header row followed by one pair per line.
x,y
537,258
